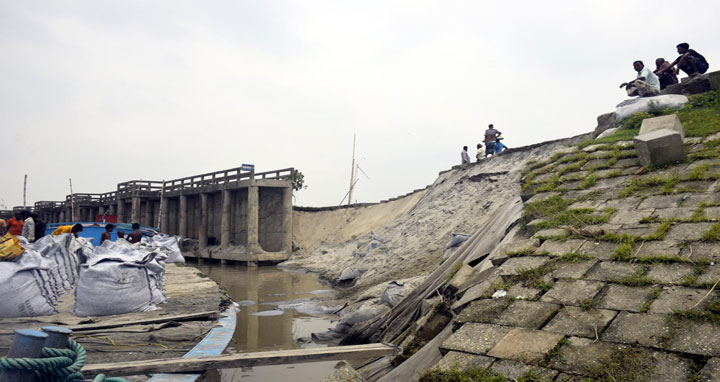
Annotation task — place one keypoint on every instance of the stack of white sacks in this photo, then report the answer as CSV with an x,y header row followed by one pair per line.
x,y
114,278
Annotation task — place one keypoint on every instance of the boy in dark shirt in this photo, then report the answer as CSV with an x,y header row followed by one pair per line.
x,y
108,232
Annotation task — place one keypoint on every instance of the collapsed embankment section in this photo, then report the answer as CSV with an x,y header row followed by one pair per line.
x,y
610,275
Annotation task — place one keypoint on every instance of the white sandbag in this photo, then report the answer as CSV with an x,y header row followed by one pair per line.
x,y
168,245
636,105
25,291
456,240
56,249
110,286
393,293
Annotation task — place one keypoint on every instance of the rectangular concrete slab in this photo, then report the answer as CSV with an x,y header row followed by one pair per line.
x,y
621,297
660,147
527,314
638,328
575,321
525,345
475,338
455,360
572,292
677,298
670,122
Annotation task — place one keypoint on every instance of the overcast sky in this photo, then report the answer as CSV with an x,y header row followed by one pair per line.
x,y
108,91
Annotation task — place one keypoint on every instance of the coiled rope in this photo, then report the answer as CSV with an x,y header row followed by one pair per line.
x,y
56,365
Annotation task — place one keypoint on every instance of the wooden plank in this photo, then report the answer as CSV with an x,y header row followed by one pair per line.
x,y
231,361
182,317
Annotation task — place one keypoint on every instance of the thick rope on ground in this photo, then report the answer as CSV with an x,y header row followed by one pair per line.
x,y
56,365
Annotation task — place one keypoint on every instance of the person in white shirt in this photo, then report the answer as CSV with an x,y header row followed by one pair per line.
x,y
464,156
28,230
646,84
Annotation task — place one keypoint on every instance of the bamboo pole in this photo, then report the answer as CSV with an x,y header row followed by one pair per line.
x,y
25,192
73,214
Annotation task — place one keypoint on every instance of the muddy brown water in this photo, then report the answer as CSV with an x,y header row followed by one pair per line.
x,y
279,311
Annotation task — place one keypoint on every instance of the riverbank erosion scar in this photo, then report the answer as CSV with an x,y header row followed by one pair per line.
x,y
389,248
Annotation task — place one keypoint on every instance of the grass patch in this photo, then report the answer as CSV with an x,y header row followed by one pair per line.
x,y
533,278
623,253
627,365
555,213
654,294
478,375
588,182
637,279
412,347
712,234
709,313
550,185
587,304
522,252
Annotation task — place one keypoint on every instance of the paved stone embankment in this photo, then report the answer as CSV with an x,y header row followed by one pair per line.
x,y
615,276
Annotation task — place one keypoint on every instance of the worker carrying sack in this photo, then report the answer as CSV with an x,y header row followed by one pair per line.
x,y
10,247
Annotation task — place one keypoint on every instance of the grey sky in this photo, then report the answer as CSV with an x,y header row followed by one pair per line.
x,y
105,92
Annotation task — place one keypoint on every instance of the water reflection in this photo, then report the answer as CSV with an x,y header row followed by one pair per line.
x,y
279,311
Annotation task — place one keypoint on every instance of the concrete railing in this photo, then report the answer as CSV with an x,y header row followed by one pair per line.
x,y
138,188
48,204
83,198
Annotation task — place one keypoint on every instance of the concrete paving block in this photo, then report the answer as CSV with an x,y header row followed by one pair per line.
x,y
637,328
515,265
627,162
670,273
651,249
575,321
693,200
527,314
455,360
673,213
612,270
660,147
703,251
542,196
661,201
483,289
677,298
624,204
483,311
520,246
622,297
710,276
572,292
687,231
616,182
700,338
668,367
514,370
551,233
559,248
518,291
525,345
670,122
598,250
696,85
583,355
475,338
630,216
711,371
572,270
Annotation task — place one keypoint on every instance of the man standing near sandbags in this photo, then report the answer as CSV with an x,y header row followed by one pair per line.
x,y
73,229
28,230
15,225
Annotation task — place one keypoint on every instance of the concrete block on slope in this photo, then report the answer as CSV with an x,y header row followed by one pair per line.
x,y
670,122
660,147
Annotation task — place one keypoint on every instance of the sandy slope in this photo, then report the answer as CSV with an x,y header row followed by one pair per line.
x,y
416,228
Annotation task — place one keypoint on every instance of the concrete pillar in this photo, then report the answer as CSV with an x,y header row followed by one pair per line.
x,y
121,211
203,230
225,220
135,210
183,216
253,206
147,215
112,210
287,220
164,216
101,210
62,216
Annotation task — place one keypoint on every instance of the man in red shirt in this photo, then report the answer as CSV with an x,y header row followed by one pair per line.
x,y
15,225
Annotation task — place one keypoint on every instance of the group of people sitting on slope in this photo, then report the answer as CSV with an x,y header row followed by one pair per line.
x,y
492,146
649,83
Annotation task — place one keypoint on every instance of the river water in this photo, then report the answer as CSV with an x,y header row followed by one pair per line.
x,y
279,310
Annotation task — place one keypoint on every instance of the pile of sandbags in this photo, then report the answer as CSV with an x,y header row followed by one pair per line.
x,y
120,277
33,281
169,245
